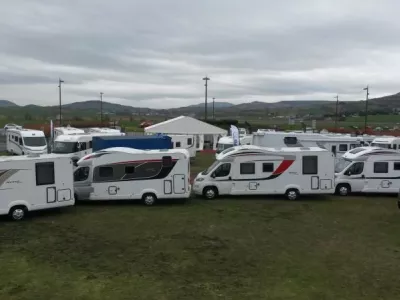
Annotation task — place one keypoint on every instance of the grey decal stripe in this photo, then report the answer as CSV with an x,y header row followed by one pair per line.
x,y
6,175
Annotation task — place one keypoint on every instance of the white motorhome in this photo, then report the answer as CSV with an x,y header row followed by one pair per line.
x,y
337,144
226,142
184,141
105,131
67,131
34,182
26,141
253,170
128,174
368,170
388,142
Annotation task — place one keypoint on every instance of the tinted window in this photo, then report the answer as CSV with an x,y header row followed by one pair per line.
x,y
129,170
310,165
83,146
106,172
247,168
343,147
20,141
394,147
167,161
334,149
381,167
189,141
81,174
90,145
268,167
223,170
396,166
290,140
146,170
44,173
177,144
356,169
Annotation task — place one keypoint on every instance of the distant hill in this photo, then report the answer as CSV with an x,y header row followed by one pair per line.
x,y
210,103
6,103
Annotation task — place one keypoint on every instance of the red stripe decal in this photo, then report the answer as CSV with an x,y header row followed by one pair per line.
x,y
283,167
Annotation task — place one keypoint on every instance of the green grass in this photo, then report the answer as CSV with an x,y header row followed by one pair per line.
x,y
243,248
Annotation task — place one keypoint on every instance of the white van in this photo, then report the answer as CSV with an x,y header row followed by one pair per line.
x,y
368,170
67,131
26,141
184,141
31,182
127,174
253,170
388,142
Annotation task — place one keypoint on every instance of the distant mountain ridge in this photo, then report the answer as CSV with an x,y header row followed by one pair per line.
x,y
6,103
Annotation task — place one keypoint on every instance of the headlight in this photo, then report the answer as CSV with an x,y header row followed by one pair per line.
x,y
199,179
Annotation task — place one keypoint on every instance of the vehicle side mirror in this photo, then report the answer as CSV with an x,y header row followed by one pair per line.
x,y
213,175
78,146
348,173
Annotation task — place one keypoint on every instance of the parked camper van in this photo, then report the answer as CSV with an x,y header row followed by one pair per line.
x,y
368,170
31,182
253,170
388,142
226,142
26,141
67,131
127,174
184,141
336,143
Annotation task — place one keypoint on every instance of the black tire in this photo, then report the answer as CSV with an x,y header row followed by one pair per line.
x,y
292,194
17,213
343,189
149,199
210,192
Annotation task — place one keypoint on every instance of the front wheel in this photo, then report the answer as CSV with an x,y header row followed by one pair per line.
x,y
210,192
292,194
149,199
17,213
343,189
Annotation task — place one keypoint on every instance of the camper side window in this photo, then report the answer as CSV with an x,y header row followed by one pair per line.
x,y
247,168
310,165
223,170
83,146
396,166
44,173
81,174
268,167
90,145
343,147
381,167
20,141
167,161
177,144
189,141
106,172
290,140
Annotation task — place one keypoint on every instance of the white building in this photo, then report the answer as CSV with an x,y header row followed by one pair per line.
x,y
204,133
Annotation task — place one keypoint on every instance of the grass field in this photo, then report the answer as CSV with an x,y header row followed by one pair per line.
x,y
232,248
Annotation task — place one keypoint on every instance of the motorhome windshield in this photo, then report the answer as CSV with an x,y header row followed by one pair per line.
x,y
222,147
34,141
65,147
210,168
342,164
386,146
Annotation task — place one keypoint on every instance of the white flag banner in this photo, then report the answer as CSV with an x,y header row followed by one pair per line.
x,y
235,135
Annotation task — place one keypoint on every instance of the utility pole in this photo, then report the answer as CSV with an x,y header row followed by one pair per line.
x,y
336,114
101,108
59,91
213,108
366,109
206,79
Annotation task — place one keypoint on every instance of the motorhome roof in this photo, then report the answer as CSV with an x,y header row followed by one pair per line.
x,y
385,140
69,130
305,136
26,132
73,138
136,151
367,151
28,157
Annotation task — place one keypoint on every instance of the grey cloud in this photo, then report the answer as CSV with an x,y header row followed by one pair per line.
x,y
158,49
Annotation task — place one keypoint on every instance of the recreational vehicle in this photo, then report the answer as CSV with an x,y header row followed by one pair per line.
x,y
26,141
67,131
226,142
34,182
388,142
105,131
253,170
337,144
184,141
128,174
368,170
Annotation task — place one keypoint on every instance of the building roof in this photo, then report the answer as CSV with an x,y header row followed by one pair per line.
x,y
185,125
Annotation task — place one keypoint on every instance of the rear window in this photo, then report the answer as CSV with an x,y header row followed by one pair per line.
x,y
310,165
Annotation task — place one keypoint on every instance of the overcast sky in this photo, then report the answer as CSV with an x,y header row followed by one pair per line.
x,y
154,53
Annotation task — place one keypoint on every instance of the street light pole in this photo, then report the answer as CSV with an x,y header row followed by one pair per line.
x,y
59,91
206,79
336,114
101,108
213,108
366,109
